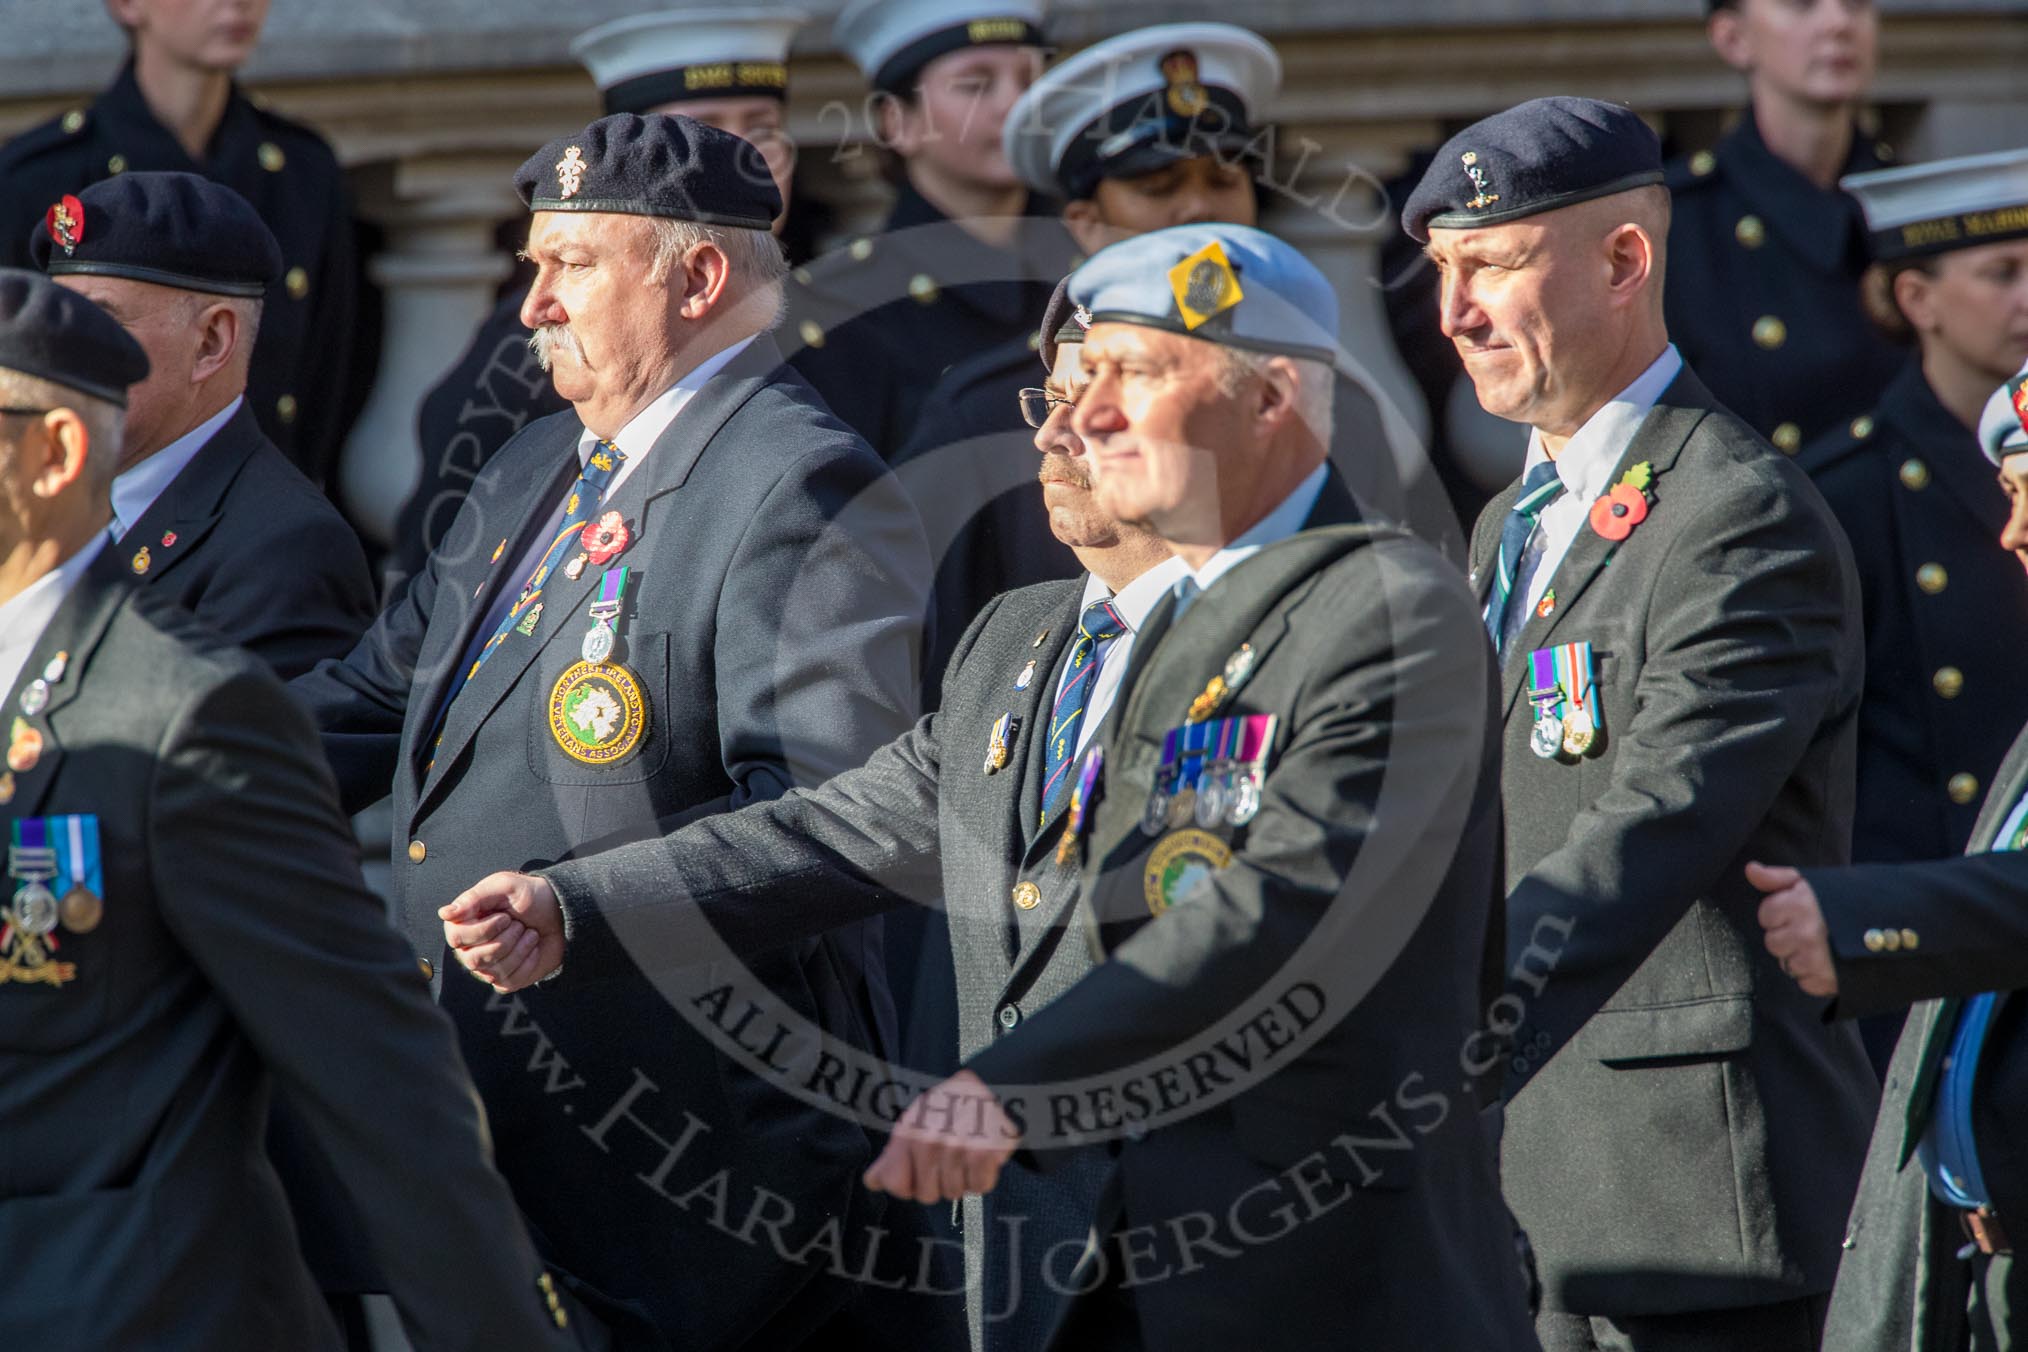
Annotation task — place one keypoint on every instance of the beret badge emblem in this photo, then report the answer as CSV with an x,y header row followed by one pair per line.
x,y
1486,196
570,173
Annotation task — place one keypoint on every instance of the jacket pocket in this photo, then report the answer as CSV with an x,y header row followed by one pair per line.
x,y
647,659
1695,1029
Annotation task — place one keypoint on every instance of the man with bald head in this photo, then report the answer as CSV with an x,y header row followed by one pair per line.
x,y
1676,617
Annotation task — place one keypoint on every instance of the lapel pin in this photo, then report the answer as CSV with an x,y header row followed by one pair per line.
x,y
1547,605
498,550
168,539
530,620
1038,639
24,747
140,561
35,697
6,787
57,666
997,742
1027,675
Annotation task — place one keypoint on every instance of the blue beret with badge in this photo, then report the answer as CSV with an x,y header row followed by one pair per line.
x,y
172,229
1063,321
1137,102
646,61
2003,427
892,40
659,165
49,331
1228,284
1538,156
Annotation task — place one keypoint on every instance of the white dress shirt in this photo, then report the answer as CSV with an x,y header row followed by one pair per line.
x,y
1135,603
135,491
1285,520
645,428
1585,464
23,618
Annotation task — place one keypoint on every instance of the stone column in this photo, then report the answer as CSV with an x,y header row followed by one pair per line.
x,y
437,277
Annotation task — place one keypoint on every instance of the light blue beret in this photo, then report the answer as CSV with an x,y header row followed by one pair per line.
x,y
1227,284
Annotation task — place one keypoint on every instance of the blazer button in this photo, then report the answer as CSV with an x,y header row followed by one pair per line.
x,y
1963,788
1788,438
417,852
1027,895
1932,578
1890,940
1909,939
426,967
1769,332
1949,682
1914,475
1874,941
1009,1016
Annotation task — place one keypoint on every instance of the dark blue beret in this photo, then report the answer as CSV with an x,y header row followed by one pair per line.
x,y
659,165
1535,157
177,230
50,331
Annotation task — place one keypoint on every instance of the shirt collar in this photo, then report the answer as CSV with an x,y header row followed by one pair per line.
x,y
1136,601
1590,456
645,428
23,618
135,491
1278,525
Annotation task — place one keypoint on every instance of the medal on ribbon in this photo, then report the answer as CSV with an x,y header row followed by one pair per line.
x,y
1582,721
82,905
1081,794
1155,814
999,741
1545,739
1214,780
601,637
27,941
1257,734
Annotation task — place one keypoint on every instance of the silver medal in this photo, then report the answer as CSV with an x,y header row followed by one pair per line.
x,y
1155,815
1545,739
598,643
35,909
35,697
1212,795
1245,803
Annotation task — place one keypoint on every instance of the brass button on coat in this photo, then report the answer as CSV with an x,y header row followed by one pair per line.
x,y
1963,788
923,288
426,967
1750,232
1027,895
1862,426
298,282
1949,682
1009,1016
1914,475
1875,941
1788,438
417,852
73,121
271,157
811,332
1932,578
285,408
1770,332
1909,939
1703,162
117,165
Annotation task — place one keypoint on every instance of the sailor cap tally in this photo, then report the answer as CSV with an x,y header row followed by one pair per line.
x,y
892,40
1918,210
646,61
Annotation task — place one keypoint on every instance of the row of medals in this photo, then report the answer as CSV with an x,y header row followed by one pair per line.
x,y
1225,792
37,911
1552,735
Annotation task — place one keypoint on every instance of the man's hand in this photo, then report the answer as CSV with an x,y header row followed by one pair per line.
x,y
949,1143
1795,928
507,931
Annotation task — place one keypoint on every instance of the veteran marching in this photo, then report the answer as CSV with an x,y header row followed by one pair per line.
x,y
946,791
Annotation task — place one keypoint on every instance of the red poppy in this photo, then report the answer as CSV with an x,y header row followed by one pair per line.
x,y
1615,515
604,538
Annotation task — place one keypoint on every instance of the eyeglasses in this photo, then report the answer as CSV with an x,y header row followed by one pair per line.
x,y
1037,405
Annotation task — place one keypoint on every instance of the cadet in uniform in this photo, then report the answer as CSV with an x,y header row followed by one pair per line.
x,y
694,590
728,69
305,385
1678,624
185,934
1930,1262
1945,612
207,513
1765,254
968,256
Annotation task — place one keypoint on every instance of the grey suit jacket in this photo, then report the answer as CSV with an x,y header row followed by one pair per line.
x,y
1683,1128
1900,1285
239,950
772,614
1259,1170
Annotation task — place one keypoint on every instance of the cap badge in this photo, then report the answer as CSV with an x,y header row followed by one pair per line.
x,y
65,221
1205,285
1186,97
1082,316
570,173
1486,197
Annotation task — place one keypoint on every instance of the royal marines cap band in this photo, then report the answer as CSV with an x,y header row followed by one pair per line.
x,y
648,60
172,229
2003,427
1537,156
892,40
1917,210
1131,104
660,165
50,331
1228,284
1063,321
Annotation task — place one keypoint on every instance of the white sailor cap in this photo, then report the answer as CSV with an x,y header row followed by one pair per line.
x,y
645,61
892,40
2003,428
1133,103
1921,209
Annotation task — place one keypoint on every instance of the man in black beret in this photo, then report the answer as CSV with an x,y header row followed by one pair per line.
x,y
694,589
1676,615
176,106
186,936
205,508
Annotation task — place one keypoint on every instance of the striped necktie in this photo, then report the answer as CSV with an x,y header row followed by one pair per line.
x,y
1539,488
1100,623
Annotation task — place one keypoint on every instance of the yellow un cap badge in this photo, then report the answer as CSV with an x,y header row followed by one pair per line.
x,y
1205,285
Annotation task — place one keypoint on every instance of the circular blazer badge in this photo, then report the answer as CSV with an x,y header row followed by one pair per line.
x,y
597,713
1178,864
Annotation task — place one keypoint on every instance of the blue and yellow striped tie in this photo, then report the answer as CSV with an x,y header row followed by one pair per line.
x,y
1100,623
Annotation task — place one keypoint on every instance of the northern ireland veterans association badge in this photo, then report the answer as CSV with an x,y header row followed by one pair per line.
x,y
1181,861
598,713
